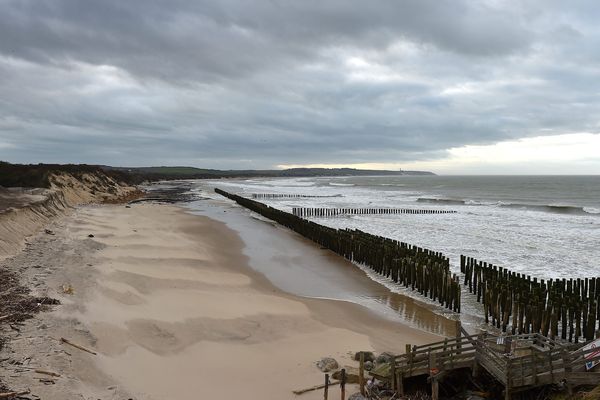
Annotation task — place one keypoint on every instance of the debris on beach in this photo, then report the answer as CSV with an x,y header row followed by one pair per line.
x,y
44,372
68,289
77,346
9,395
49,232
316,387
357,396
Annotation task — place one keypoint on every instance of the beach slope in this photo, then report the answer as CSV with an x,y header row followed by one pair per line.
x,y
169,304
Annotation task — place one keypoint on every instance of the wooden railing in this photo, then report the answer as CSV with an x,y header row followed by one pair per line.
x,y
516,361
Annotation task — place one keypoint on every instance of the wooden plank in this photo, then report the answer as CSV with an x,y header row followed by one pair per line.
x,y
493,369
317,387
583,378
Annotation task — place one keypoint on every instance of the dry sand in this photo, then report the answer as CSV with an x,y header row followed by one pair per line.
x,y
173,310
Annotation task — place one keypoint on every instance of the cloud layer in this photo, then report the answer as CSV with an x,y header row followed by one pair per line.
x,y
253,84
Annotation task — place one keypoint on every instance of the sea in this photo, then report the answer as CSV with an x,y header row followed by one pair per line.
x,y
544,226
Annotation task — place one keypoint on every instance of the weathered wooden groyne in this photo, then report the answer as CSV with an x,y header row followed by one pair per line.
x,y
290,196
565,308
332,212
419,269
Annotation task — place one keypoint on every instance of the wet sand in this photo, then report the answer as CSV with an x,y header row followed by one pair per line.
x,y
174,310
299,266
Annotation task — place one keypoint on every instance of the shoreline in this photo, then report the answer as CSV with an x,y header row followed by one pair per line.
x,y
157,288
300,270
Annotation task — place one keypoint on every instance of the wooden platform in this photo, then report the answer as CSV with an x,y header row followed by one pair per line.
x,y
518,362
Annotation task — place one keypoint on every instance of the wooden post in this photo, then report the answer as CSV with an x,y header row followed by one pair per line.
x,y
508,383
435,388
343,384
326,389
361,372
457,325
400,383
393,374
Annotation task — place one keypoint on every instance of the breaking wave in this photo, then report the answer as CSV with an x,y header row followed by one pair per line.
x,y
550,208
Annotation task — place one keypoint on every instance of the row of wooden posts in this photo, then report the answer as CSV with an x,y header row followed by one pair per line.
x,y
290,196
565,308
419,269
513,302
331,212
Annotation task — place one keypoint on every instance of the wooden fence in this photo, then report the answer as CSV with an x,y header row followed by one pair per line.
x,y
419,269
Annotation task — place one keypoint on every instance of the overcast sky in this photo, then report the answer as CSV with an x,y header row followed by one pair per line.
x,y
448,85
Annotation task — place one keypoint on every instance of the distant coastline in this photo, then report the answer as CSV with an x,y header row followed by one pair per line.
x,y
36,175
202,173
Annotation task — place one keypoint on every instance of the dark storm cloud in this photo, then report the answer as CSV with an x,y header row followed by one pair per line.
x,y
258,83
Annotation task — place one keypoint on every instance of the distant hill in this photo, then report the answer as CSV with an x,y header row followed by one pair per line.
x,y
36,175
200,173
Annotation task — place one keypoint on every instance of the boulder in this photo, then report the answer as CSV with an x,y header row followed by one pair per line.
x,y
327,364
369,356
351,375
384,358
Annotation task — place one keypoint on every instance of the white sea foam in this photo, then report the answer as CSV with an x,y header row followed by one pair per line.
x,y
522,234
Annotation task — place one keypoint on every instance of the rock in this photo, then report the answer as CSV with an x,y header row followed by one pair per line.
x,y
351,375
384,358
357,396
368,365
90,235
327,364
369,356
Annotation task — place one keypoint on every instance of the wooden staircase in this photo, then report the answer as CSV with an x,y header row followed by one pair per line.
x,y
518,362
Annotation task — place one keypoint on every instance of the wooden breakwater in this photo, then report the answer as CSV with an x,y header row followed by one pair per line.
x,y
419,269
565,308
265,196
332,212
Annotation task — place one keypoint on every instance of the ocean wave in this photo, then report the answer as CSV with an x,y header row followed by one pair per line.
x,y
341,184
434,200
549,208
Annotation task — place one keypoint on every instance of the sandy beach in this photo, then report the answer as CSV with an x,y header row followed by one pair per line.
x,y
170,305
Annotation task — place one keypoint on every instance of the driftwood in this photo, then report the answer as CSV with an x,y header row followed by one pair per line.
x,y
41,371
8,395
77,346
310,389
2,318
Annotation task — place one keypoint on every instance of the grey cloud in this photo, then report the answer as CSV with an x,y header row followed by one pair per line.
x,y
259,83
181,40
